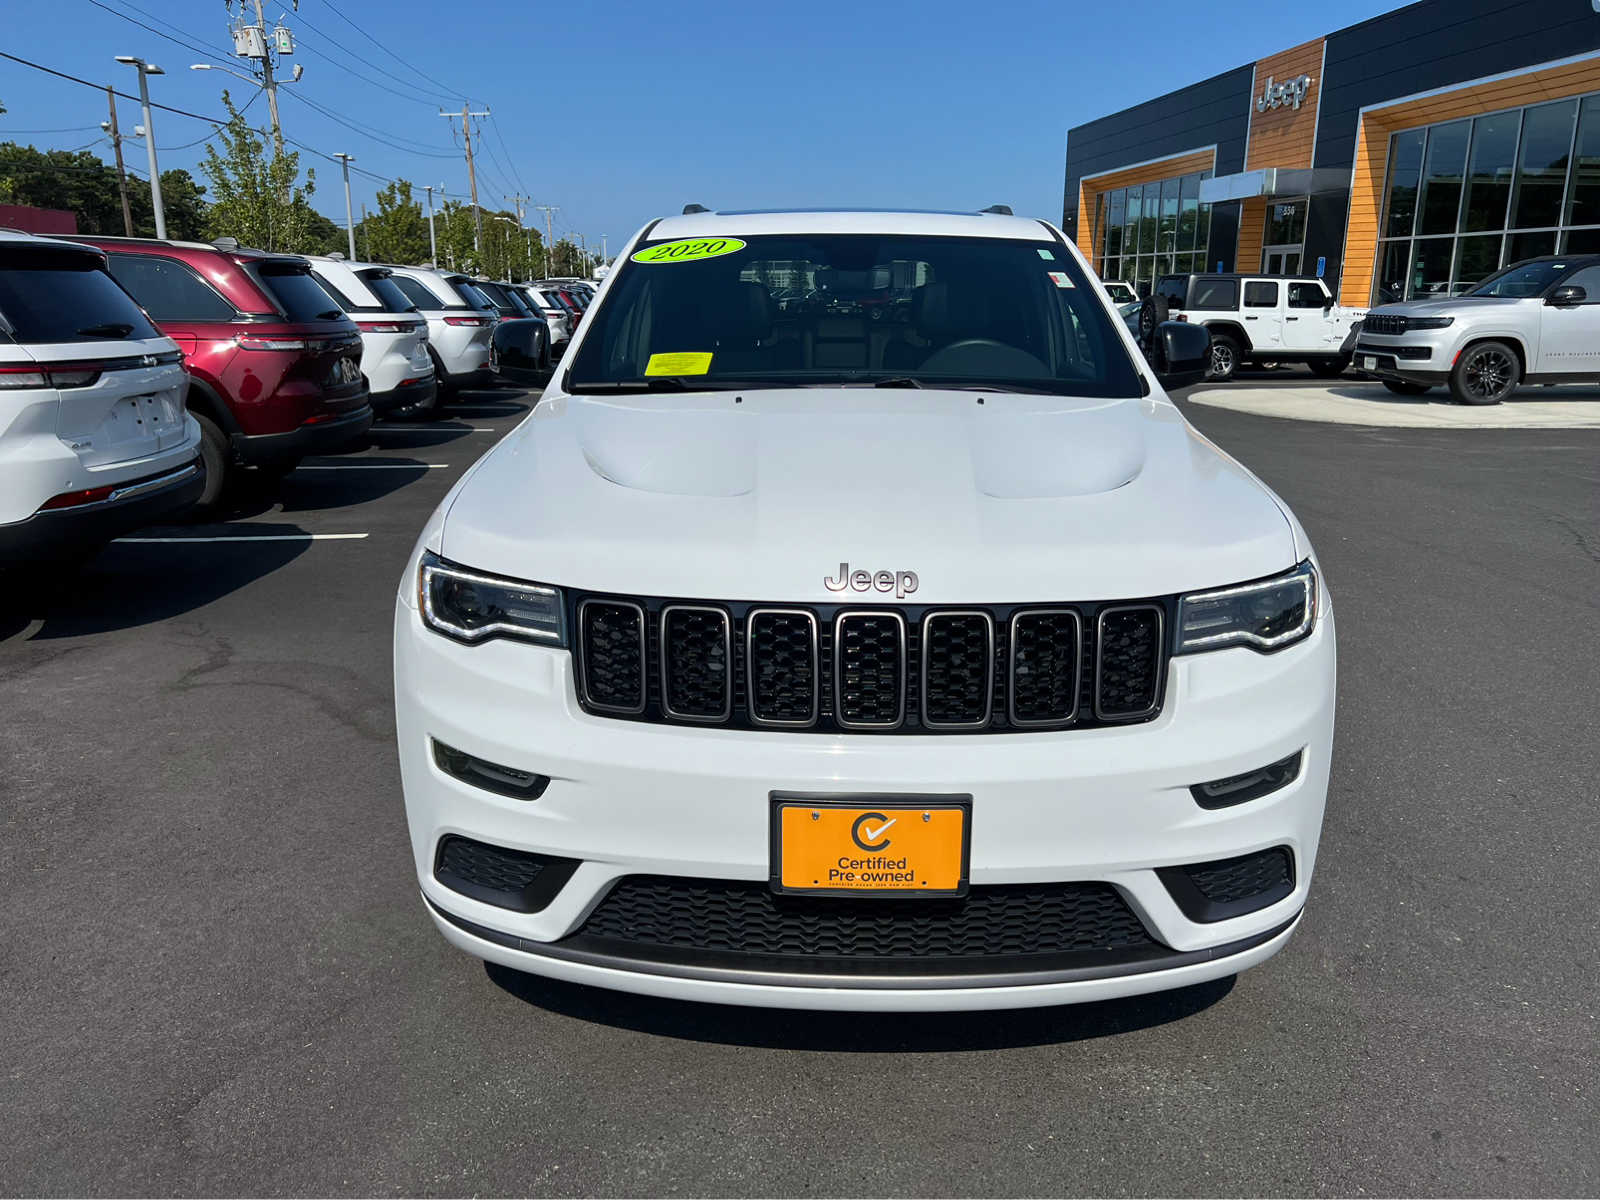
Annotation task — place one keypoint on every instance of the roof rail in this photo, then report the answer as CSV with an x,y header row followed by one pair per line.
x,y
694,208
1000,210
226,243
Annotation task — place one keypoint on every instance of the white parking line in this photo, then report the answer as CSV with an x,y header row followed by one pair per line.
x,y
388,428
370,466
256,537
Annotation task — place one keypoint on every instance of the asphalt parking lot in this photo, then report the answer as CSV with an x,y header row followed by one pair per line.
x,y
217,977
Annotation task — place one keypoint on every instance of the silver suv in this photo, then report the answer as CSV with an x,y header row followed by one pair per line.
x,y
1535,322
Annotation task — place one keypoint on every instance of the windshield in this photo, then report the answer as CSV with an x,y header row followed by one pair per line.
x,y
900,310
1522,281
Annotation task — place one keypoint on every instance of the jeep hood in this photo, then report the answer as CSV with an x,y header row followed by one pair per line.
x,y
1447,306
761,497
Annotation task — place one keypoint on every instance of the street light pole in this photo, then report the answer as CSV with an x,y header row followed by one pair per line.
x,y
145,70
349,217
433,245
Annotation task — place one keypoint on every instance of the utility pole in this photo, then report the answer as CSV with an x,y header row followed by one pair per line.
x,y
145,71
349,218
547,210
366,232
269,83
604,257
122,174
516,202
472,172
433,245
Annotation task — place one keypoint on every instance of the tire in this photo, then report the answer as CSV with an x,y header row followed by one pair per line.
x,y
1328,368
1485,374
1151,315
443,393
218,458
1225,356
1401,388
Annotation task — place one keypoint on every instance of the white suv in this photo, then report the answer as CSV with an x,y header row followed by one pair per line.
x,y
394,335
94,436
460,332
1258,318
804,659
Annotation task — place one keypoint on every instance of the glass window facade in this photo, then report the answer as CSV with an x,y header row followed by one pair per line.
x,y
1467,197
1154,229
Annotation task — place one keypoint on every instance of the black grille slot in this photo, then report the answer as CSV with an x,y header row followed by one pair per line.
x,y
511,879
1045,667
957,669
1231,887
1383,323
782,668
869,669
611,634
696,663
1128,670
1233,879
987,926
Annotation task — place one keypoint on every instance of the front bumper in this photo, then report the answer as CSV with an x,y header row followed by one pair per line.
x,y
1110,805
1408,360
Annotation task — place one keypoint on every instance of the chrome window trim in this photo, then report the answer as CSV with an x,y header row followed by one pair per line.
x,y
583,657
750,668
727,673
838,673
1161,656
1077,668
988,670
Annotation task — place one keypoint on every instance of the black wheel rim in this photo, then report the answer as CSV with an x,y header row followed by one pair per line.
x,y
1147,323
1489,374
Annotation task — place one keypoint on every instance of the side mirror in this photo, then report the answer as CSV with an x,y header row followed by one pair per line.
x,y
1327,307
1566,297
1181,354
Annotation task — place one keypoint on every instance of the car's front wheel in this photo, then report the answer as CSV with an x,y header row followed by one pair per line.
x,y
1401,388
1224,357
1485,374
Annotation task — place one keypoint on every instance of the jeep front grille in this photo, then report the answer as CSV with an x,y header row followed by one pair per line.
x,y
880,669
1386,324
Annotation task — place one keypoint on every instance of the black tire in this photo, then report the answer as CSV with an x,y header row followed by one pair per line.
x,y
1401,388
217,456
1225,356
1329,368
1151,314
1485,374
443,393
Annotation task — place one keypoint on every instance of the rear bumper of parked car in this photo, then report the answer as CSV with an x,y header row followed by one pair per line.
x,y
410,394
63,532
1105,807
325,431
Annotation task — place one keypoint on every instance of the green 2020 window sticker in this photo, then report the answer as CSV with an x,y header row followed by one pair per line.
x,y
689,250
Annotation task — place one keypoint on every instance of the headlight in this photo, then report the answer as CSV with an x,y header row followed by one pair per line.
x,y
1267,615
463,604
1429,322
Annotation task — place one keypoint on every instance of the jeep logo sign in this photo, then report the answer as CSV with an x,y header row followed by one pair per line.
x,y
901,583
1291,92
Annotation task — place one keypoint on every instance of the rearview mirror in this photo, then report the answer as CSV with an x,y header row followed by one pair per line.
x,y
1181,353
1566,297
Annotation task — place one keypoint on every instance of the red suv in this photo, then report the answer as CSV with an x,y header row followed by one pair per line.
x,y
274,365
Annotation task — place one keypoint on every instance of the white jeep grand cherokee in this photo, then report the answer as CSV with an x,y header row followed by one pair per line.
x,y
918,659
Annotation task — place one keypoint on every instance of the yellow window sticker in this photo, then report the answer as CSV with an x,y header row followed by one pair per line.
x,y
689,250
683,363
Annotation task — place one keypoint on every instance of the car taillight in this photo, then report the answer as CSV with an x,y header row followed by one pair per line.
x,y
74,499
385,326
70,375
466,320
246,342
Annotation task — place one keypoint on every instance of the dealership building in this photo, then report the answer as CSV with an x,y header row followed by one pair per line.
x,y
1412,154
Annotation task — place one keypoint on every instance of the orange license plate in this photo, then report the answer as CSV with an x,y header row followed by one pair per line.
x,y
888,847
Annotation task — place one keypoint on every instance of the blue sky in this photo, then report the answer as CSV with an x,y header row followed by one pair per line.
x,y
619,112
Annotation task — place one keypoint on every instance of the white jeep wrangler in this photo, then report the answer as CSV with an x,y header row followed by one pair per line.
x,y
1258,318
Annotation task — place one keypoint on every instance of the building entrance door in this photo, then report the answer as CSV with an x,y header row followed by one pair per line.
x,y
1281,260
1285,239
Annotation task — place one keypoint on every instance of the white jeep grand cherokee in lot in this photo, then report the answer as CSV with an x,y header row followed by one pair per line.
x,y
800,658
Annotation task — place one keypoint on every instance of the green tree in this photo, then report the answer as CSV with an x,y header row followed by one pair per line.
x,y
83,185
257,198
398,231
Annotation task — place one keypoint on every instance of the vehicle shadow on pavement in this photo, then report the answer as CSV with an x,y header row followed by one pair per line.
x,y
325,485
129,585
859,1032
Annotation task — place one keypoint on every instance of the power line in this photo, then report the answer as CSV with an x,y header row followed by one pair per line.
x,y
451,92
414,98
420,96
393,141
100,87
208,52
59,129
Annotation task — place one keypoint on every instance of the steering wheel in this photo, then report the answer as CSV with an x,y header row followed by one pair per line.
x,y
984,356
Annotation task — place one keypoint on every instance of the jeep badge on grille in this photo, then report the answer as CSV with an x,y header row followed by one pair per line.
x,y
901,583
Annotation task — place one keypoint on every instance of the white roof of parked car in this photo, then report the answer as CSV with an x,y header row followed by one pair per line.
x,y
932,224
18,235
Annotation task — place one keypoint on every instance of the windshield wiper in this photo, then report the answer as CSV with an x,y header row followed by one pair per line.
x,y
897,381
111,329
330,315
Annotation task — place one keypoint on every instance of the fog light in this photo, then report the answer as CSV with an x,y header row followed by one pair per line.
x,y
1252,785
491,777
